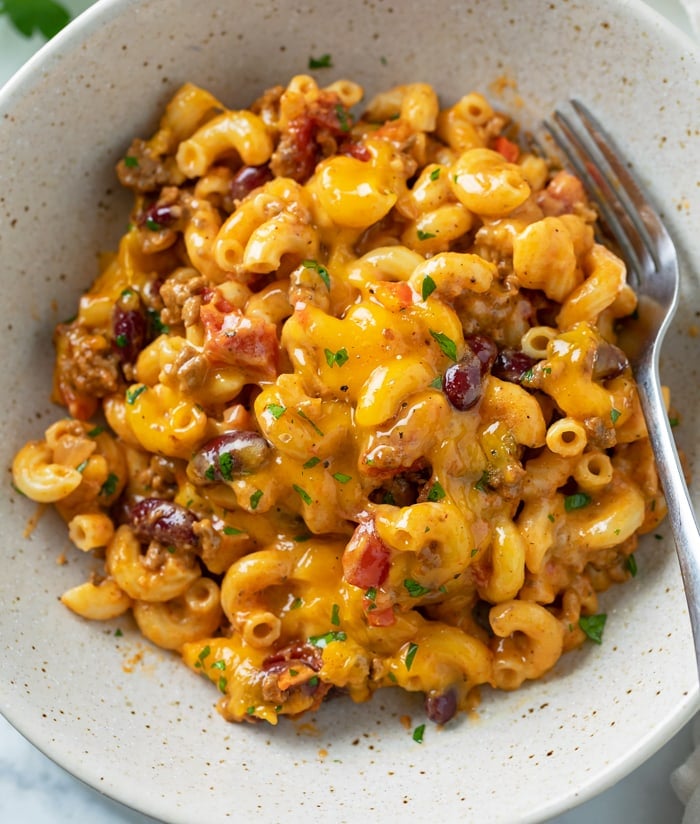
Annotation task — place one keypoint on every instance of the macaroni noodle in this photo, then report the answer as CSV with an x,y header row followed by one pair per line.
x,y
364,419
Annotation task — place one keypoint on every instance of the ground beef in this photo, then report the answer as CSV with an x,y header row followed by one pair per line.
x,y
180,294
85,363
143,171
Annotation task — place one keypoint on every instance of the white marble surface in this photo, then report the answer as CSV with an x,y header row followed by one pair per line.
x,y
34,790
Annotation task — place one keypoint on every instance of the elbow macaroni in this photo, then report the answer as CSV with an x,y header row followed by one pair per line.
x,y
367,421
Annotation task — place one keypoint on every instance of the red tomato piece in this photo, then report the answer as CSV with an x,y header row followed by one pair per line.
x,y
367,558
232,338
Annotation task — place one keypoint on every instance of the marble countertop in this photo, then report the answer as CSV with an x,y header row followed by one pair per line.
x,y
34,790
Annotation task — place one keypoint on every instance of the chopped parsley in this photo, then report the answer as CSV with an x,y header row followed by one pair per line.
x,y
311,463
118,633
418,734
341,477
303,415
222,684
428,287
593,626
527,375
276,410
448,346
226,465
255,498
344,117
296,603
131,162
231,530
325,61
576,501
371,594
436,383
303,494
250,711
435,174
81,466
153,225
109,487
614,415
134,392
483,480
157,327
121,341
425,235
436,492
335,615
631,564
322,641
321,270
97,430
336,358
204,653
414,589
219,665
410,655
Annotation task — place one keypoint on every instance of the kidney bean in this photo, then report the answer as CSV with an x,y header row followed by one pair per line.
x,y
228,455
609,362
248,178
159,216
155,519
461,382
484,348
441,707
129,332
511,365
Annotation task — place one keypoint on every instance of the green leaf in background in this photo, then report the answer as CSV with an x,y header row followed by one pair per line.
x,y
28,16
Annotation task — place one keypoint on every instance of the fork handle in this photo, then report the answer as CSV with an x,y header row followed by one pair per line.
x,y
681,515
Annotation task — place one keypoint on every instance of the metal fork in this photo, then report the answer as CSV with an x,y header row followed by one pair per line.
x,y
652,266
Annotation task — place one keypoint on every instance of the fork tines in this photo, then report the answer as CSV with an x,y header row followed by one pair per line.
x,y
624,209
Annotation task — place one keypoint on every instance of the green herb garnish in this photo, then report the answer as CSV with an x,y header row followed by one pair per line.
x,y
109,487
335,615
323,62
133,393
410,655
341,477
418,734
448,346
576,501
340,357
322,641
593,626
436,492
255,498
425,235
414,589
428,287
276,410
321,270
303,494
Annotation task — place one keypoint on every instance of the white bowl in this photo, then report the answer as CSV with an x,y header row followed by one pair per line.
x,y
131,720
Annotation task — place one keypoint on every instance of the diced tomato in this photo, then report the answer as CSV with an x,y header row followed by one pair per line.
x,y
355,149
367,558
506,147
397,296
232,338
381,617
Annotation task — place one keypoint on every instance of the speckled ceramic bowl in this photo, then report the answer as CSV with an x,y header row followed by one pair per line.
x,y
132,721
